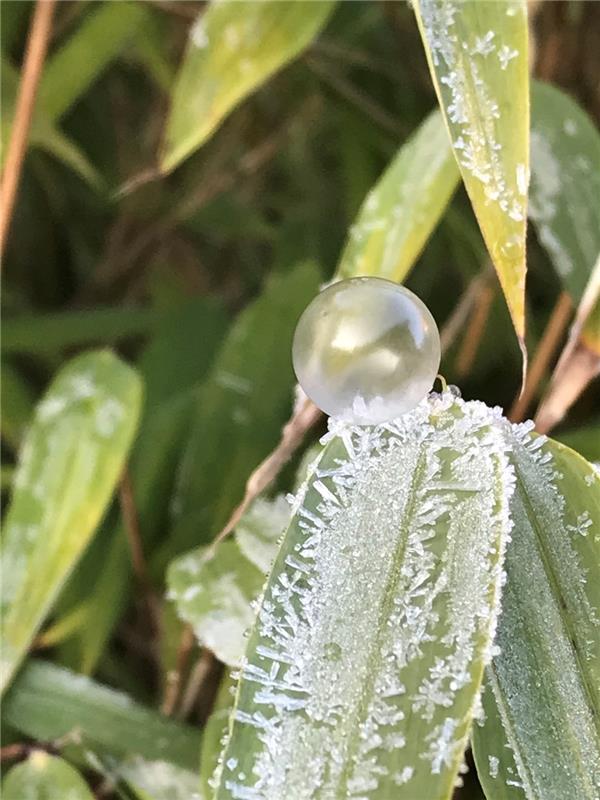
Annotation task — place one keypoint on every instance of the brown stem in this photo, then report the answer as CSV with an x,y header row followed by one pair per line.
x,y
546,349
475,330
35,54
174,678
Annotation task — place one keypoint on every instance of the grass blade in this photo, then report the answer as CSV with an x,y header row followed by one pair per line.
x,y
478,58
69,464
367,655
403,208
546,677
233,49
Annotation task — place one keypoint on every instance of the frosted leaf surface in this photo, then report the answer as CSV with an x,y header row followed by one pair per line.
x,y
364,665
477,53
546,675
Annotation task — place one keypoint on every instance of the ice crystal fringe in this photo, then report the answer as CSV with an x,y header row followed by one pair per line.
x,y
363,670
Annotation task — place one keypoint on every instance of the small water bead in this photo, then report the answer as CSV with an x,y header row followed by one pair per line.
x,y
366,350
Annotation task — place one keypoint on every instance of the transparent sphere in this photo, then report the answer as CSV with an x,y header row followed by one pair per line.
x,y
366,350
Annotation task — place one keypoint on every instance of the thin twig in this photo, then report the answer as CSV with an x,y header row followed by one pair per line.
x,y
199,674
35,54
475,330
131,524
459,316
546,349
174,677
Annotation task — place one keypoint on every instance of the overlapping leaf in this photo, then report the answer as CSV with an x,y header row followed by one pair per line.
x,y
477,54
44,776
69,463
362,671
545,679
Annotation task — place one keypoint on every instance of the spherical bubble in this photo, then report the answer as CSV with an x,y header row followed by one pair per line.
x,y
366,350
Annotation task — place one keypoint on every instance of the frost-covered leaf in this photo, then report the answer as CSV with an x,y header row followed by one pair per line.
x,y
477,54
69,463
214,592
546,676
47,703
233,48
363,669
261,528
44,777
403,208
565,184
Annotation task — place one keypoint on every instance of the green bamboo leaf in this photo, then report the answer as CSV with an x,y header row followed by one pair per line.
x,y
240,409
104,33
565,185
364,667
403,208
233,49
159,780
213,593
478,58
45,777
70,461
545,678
48,703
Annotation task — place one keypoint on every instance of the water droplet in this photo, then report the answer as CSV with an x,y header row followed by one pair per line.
x,y
366,350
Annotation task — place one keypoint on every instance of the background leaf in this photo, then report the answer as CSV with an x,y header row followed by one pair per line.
x,y
403,208
565,185
232,50
48,703
367,655
478,58
546,676
70,461
43,777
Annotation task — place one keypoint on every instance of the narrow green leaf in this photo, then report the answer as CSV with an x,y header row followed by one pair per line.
x,y
159,780
565,185
214,595
546,676
478,58
240,409
585,440
103,34
70,461
364,667
45,777
403,208
232,50
49,333
48,703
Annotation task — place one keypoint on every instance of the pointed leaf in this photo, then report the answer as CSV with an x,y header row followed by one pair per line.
x,y
43,777
546,677
363,669
477,54
47,703
69,464
233,49
403,208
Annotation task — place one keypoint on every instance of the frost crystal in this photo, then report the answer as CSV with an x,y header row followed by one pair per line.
x,y
360,674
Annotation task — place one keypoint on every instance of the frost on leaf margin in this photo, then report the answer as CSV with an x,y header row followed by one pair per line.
x,y
545,679
368,651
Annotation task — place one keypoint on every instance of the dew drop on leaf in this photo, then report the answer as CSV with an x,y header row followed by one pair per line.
x,y
366,350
